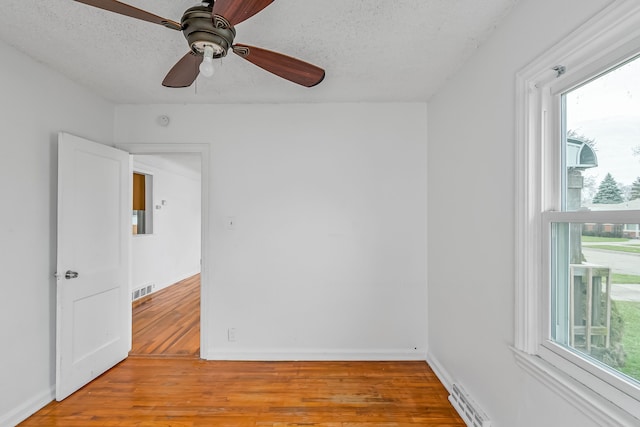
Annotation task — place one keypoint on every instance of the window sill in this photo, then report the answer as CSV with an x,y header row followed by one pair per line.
x,y
586,400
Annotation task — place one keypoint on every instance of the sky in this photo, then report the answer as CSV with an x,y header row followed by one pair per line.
x,y
607,110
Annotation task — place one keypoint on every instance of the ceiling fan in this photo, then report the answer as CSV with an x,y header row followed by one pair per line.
x,y
209,30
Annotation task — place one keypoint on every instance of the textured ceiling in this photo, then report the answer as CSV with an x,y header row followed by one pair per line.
x,y
372,50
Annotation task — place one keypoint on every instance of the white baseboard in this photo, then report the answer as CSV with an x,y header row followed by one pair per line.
x,y
288,355
28,408
440,372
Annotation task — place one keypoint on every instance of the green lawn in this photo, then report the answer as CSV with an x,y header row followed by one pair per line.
x,y
635,249
603,239
630,312
625,279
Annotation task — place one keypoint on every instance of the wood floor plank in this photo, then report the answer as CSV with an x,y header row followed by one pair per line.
x,y
192,392
167,323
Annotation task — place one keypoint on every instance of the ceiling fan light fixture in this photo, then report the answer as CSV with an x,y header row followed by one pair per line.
x,y
200,47
209,29
206,66
200,31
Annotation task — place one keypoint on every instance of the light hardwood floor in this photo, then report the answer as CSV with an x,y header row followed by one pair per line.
x,y
185,392
164,384
167,323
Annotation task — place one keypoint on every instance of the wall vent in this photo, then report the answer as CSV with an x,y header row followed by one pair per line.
x,y
143,291
467,408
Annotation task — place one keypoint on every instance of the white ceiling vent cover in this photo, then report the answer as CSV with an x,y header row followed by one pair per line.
x,y
467,408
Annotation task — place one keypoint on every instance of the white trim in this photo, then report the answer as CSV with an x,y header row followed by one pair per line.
x,y
609,49
602,411
612,27
205,153
314,355
579,368
602,41
28,408
442,374
528,177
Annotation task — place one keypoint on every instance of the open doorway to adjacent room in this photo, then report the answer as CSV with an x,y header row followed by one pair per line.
x,y
166,254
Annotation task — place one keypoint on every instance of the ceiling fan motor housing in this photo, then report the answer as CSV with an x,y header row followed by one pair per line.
x,y
201,30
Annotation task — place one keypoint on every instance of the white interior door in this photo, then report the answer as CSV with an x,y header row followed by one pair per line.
x,y
94,226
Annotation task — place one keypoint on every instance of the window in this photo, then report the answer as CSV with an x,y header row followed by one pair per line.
x,y
577,215
142,207
592,313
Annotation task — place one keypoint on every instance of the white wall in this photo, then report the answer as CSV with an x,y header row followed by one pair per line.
x,y
35,103
471,219
327,259
172,252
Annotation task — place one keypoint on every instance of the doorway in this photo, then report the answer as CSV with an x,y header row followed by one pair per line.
x,y
165,255
176,302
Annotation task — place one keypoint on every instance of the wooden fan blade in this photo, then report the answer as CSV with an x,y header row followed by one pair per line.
x,y
134,12
185,72
288,68
236,11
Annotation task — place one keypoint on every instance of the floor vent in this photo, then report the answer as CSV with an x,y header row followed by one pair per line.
x,y
467,408
141,292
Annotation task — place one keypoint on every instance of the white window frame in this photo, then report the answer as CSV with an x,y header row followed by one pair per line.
x,y
609,38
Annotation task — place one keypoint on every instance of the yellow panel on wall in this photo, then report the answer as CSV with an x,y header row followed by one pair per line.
x,y
138,192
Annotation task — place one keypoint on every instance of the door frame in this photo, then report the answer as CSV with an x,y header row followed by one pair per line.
x,y
204,151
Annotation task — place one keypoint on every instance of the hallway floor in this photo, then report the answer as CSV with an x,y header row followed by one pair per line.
x,y
167,323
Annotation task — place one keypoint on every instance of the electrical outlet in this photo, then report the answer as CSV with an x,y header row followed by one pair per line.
x,y
231,334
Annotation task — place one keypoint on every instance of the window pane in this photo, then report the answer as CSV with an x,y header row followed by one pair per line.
x,y
602,147
596,292
142,206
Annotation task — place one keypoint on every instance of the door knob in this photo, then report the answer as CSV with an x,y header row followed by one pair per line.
x,y
70,274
